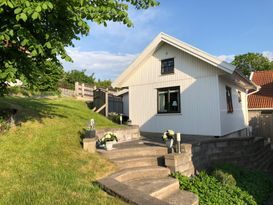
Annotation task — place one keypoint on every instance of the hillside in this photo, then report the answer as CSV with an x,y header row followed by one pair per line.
x,y
41,160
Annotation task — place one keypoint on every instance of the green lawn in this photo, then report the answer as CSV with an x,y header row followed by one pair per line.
x,y
42,162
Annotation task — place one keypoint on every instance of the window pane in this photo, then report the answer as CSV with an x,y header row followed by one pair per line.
x,y
163,101
167,66
169,100
174,101
229,100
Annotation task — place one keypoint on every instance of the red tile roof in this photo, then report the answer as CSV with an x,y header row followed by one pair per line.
x,y
263,98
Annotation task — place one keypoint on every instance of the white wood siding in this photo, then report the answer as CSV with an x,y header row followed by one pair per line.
x,y
199,92
231,122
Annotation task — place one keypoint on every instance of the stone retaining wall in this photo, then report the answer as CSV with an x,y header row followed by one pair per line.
x,y
241,151
125,133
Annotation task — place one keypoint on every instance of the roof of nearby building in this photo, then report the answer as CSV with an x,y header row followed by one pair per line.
x,y
264,97
202,55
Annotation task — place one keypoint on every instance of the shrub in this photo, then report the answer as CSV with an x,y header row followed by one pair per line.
x,y
224,178
256,183
229,184
211,191
114,117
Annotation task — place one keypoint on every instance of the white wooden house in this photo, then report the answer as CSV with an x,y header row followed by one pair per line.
x,y
173,85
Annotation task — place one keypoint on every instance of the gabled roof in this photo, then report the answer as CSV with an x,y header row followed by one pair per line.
x,y
164,38
264,97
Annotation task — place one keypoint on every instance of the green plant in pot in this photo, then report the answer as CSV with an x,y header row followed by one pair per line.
x,y
168,138
108,140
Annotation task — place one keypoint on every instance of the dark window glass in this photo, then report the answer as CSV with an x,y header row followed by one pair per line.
x,y
229,100
167,66
168,100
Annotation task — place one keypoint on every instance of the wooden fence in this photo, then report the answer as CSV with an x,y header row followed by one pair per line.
x,y
67,92
105,102
262,125
81,91
84,91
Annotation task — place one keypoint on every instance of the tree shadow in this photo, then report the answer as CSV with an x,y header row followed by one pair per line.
x,y
31,109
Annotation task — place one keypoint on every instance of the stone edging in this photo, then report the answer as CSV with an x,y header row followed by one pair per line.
x,y
124,134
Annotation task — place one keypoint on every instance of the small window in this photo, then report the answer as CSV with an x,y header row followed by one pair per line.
x,y
239,96
167,66
229,100
168,100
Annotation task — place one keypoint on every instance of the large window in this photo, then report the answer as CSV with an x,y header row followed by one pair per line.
x,y
167,66
168,100
229,100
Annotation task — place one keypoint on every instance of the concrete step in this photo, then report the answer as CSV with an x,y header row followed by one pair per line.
x,y
189,172
141,173
130,162
158,188
134,152
182,198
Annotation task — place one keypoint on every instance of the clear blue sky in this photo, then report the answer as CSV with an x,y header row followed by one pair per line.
x,y
222,28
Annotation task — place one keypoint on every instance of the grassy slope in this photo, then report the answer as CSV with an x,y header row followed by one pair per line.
x,y
41,162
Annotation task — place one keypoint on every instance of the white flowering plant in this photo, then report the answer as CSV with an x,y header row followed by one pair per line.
x,y
169,134
108,137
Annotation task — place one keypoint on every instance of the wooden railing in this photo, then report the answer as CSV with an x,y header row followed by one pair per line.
x,y
84,91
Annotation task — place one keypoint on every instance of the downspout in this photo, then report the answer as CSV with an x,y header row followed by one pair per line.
x,y
258,87
255,91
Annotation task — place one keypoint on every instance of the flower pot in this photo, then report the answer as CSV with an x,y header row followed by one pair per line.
x,y
169,143
109,145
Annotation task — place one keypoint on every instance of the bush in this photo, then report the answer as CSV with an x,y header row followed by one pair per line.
x,y
224,178
114,117
211,191
256,183
229,184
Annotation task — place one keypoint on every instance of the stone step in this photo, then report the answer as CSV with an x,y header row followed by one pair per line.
x,y
158,188
182,198
140,173
135,152
129,162
189,172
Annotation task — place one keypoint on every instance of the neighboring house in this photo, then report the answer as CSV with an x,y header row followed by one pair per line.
x,y
261,101
173,85
260,104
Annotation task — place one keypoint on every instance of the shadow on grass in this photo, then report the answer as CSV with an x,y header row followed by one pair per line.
x,y
257,183
30,109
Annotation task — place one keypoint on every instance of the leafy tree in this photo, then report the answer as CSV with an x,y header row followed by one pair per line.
x,y
73,76
103,83
33,32
252,62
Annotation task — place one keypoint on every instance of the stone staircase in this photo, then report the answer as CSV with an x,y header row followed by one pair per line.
x,y
143,179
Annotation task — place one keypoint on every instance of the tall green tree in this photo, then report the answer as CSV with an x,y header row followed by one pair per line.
x,y
103,83
252,62
33,32
73,76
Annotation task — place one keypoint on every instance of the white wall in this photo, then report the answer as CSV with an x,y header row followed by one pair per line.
x,y
231,122
199,92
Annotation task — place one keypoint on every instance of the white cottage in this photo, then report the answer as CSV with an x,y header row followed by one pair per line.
x,y
173,85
